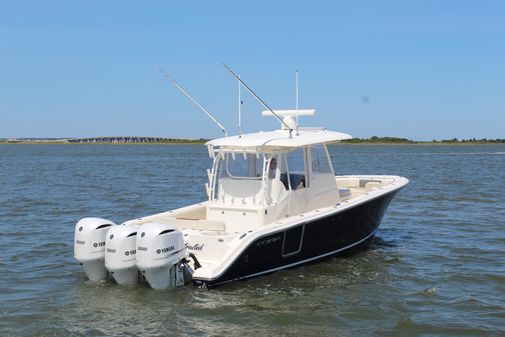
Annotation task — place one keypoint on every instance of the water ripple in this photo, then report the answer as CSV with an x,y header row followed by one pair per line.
x,y
435,267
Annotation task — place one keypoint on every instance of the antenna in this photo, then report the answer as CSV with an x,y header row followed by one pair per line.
x,y
259,99
297,127
168,77
239,110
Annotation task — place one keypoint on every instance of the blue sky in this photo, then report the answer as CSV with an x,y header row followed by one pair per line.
x,y
416,69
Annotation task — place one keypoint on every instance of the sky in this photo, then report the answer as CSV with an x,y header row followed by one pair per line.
x,y
418,69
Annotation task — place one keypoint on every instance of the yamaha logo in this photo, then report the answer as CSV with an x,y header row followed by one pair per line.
x,y
99,244
130,252
165,250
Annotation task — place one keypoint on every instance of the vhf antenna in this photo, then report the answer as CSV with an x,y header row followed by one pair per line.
x,y
297,127
239,110
259,99
168,77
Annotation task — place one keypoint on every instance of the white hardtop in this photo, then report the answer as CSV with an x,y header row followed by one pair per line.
x,y
281,139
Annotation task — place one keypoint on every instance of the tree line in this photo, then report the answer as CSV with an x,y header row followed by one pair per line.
x,y
397,140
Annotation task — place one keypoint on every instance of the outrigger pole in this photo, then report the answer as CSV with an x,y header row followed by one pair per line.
x,y
259,99
168,77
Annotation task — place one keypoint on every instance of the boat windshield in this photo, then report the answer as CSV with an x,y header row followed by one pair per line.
x,y
240,167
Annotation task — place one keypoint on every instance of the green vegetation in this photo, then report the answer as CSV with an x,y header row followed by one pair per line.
x,y
395,140
380,140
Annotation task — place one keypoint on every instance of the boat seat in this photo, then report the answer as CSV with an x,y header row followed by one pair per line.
x,y
344,193
370,186
187,223
208,225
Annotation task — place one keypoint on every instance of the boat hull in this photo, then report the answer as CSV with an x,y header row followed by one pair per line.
x,y
307,241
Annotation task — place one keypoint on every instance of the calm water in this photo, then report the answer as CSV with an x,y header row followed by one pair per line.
x,y
437,266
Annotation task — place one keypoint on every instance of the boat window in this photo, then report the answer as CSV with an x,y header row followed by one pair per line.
x,y
296,162
296,168
239,167
276,163
320,162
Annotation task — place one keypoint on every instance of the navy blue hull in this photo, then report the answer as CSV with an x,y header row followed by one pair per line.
x,y
308,241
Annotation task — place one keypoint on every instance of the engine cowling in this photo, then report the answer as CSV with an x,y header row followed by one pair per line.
x,y
89,246
120,253
160,250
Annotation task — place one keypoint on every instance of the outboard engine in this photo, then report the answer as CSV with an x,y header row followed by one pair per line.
x,y
161,256
120,253
89,246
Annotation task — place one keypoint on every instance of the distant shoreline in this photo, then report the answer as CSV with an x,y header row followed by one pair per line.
x,y
176,141
404,141
96,143
103,140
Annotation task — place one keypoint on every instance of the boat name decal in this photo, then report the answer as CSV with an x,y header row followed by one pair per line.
x,y
165,250
99,244
79,242
268,241
196,246
130,252
111,250
143,248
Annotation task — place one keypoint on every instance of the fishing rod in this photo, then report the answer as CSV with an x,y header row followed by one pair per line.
x,y
168,77
259,99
